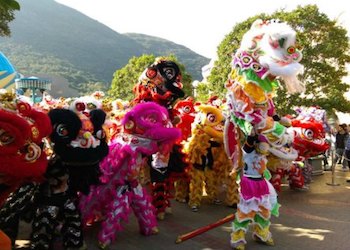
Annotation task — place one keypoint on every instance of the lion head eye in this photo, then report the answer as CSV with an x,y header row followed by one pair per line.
x,y
247,60
291,50
187,109
169,72
129,125
256,67
91,106
5,138
80,106
211,117
151,73
309,133
62,130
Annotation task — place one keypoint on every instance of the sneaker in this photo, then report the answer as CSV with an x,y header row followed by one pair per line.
x,y
161,216
217,201
268,242
303,188
239,247
181,200
168,210
194,208
154,230
83,247
234,205
103,246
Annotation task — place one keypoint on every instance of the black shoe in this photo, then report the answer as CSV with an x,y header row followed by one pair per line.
x,y
233,206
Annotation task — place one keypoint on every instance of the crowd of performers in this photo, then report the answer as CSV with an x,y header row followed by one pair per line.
x,y
70,162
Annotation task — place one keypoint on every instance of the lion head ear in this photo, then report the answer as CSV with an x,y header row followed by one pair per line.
x,y
66,125
257,24
97,117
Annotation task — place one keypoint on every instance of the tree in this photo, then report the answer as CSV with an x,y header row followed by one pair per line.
x,y
326,52
203,92
7,9
125,78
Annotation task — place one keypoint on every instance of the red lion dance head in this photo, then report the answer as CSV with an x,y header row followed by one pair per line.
x,y
22,157
309,138
186,112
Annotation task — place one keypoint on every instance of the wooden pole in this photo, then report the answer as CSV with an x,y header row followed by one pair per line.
x,y
187,236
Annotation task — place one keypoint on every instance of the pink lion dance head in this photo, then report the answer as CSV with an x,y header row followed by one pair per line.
x,y
151,121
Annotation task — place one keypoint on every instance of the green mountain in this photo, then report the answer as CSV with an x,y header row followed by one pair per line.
x,y
52,39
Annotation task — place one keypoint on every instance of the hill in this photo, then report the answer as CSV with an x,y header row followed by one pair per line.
x,y
53,39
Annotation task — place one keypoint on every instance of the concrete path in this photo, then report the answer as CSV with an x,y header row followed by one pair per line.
x,y
315,219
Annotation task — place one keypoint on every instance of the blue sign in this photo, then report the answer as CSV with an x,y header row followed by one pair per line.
x,y
7,72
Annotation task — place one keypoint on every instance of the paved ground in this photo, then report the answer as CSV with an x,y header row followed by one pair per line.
x,y
314,219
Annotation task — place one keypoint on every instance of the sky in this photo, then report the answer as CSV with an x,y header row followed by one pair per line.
x,y
200,25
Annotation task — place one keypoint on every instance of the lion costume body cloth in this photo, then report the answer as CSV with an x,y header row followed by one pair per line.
x,y
146,130
161,83
23,158
267,53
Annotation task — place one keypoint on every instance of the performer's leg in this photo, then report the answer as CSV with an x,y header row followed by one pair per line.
x,y
43,227
179,176
261,230
16,206
296,178
144,210
232,195
72,229
307,172
196,188
159,191
211,185
239,229
276,179
118,210
182,189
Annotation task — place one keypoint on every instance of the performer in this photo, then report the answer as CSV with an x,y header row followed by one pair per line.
x,y
207,133
146,130
180,176
23,158
161,83
267,52
79,145
258,199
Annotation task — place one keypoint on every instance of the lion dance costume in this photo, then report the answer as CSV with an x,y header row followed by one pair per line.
x,y
267,51
185,110
23,158
207,132
161,83
146,130
78,145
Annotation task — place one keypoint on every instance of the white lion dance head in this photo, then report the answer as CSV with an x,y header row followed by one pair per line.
x,y
269,47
